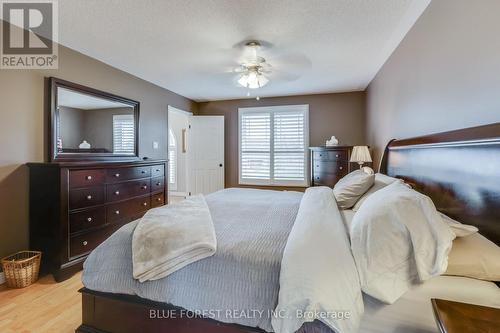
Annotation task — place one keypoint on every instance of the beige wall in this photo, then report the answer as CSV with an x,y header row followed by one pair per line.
x,y
98,127
22,132
72,126
342,115
444,75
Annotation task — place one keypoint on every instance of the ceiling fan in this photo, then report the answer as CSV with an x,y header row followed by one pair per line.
x,y
254,71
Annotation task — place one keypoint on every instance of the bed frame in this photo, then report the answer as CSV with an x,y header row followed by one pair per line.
x,y
459,170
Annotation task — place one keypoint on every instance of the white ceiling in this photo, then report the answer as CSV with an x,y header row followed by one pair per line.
x,y
187,45
77,100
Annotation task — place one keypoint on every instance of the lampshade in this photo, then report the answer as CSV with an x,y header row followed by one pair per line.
x,y
360,154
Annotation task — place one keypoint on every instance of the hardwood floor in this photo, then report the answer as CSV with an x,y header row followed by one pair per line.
x,y
45,306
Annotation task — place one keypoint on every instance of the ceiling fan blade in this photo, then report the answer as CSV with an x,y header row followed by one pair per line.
x,y
292,62
280,75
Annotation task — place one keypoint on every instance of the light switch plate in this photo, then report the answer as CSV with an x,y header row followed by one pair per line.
x,y
156,145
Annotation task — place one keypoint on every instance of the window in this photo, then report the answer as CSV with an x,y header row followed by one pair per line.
x,y
172,160
273,145
123,134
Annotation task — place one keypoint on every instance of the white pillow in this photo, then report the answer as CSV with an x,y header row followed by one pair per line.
x,y
474,256
459,229
398,239
380,182
352,186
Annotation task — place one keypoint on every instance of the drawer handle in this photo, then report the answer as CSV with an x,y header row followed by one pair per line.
x,y
340,168
117,192
158,199
317,178
143,171
337,156
317,166
117,212
84,243
89,197
88,177
144,187
117,175
320,155
89,219
144,204
157,170
158,184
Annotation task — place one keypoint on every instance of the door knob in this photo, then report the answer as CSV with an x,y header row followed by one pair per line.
x,y
220,165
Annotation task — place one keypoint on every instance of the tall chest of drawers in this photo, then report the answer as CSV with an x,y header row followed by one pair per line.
x,y
329,164
75,207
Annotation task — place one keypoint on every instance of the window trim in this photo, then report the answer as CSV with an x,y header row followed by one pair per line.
x,y
271,181
115,121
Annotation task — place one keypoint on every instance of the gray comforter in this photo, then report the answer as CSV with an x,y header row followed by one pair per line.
x,y
252,227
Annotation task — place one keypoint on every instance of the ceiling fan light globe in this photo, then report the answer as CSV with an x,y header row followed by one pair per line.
x,y
253,80
243,80
263,80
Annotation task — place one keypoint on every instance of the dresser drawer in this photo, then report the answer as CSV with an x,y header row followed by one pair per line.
x,y
326,179
86,178
157,184
126,209
158,170
157,200
121,174
87,219
86,197
330,155
84,243
339,167
126,190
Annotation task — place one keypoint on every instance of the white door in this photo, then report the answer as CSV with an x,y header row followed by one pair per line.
x,y
206,154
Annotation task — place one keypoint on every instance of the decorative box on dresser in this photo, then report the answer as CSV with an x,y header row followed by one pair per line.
x,y
75,206
329,164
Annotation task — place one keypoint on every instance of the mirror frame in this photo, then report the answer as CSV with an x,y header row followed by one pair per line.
x,y
56,156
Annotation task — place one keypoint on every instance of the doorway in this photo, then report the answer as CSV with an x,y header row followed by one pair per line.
x,y
178,124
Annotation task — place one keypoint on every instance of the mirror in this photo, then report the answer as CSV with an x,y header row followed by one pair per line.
x,y
89,124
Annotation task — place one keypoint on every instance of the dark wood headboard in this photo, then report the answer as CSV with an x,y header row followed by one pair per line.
x,y
459,170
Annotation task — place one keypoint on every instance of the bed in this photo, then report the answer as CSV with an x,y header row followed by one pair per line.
x,y
433,165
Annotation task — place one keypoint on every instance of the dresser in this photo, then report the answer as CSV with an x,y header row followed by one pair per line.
x,y
329,164
75,206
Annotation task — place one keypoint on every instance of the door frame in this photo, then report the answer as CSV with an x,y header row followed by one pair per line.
x,y
171,108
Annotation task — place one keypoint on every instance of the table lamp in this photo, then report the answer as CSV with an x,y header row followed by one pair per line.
x,y
360,154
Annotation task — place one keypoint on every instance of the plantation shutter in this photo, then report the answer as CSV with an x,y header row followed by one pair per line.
x,y
123,134
273,145
289,146
255,143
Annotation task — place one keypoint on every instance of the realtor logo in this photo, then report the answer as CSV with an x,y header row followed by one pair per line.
x,y
29,34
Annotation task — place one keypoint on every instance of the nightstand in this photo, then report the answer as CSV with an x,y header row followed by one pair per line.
x,y
456,317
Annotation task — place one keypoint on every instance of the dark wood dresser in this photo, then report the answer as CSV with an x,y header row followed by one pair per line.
x,y
75,206
329,164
